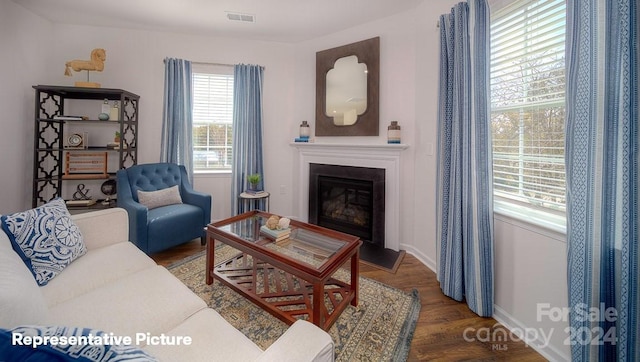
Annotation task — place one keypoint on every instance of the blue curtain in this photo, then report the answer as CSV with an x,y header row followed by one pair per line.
x,y
602,178
465,190
177,120
247,129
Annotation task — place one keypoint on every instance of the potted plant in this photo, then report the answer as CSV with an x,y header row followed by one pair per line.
x,y
116,138
254,180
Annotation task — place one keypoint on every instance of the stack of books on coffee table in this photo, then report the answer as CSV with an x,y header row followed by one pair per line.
x,y
275,234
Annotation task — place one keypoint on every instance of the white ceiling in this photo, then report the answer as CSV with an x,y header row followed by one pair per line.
x,y
287,21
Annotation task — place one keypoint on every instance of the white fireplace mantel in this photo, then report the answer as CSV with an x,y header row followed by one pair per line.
x,y
383,156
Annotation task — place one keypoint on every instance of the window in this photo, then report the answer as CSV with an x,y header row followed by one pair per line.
x,y
527,105
212,117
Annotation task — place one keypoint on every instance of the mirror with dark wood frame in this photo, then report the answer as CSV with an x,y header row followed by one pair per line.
x,y
356,111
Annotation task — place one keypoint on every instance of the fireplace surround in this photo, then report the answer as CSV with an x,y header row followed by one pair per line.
x,y
382,156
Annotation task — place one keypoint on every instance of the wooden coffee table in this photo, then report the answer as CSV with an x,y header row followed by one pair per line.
x,y
292,278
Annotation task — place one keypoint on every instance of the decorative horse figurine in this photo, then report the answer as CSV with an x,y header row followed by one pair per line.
x,y
98,56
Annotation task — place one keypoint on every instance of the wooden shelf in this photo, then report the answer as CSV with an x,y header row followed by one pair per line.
x,y
51,167
85,176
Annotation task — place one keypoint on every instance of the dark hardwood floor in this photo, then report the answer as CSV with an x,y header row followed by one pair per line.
x,y
443,322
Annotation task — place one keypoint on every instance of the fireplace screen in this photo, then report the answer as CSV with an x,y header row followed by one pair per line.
x,y
348,199
346,205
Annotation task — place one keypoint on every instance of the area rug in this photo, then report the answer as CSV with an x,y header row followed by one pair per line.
x,y
380,328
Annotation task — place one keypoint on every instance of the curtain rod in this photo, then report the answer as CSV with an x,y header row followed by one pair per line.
x,y
218,64
204,63
221,64
207,63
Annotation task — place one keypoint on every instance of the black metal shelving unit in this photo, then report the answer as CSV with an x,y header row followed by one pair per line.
x,y
49,148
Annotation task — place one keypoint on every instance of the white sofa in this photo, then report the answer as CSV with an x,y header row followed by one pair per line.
x,y
116,288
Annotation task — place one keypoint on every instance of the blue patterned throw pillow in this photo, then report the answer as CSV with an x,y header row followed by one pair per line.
x,y
53,343
46,238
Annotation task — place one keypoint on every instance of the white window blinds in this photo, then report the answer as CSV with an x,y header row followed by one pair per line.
x,y
213,98
212,120
527,103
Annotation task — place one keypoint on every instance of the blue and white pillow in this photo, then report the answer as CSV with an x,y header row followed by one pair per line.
x,y
46,238
75,348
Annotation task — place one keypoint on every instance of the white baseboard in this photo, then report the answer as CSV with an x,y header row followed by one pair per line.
x,y
427,261
551,353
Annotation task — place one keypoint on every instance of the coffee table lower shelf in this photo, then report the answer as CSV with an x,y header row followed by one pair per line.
x,y
284,295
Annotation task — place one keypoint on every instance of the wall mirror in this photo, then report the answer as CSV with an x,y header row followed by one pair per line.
x,y
347,88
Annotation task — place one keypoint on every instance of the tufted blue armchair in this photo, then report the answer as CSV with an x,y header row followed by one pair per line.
x,y
160,228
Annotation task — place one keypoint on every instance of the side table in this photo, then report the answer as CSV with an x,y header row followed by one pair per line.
x,y
251,201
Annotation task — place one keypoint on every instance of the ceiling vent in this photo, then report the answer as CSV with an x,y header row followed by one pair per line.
x,y
247,18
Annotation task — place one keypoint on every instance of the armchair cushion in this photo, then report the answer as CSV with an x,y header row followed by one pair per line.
x,y
170,223
162,197
46,238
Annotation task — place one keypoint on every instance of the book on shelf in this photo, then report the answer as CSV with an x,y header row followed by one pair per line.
x,y
89,202
277,234
71,118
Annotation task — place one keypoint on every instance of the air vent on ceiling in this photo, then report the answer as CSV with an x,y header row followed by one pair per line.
x,y
247,18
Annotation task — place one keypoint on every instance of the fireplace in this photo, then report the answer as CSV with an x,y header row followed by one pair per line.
x,y
348,199
382,156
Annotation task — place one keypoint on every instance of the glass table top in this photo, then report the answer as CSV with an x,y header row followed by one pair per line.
x,y
302,244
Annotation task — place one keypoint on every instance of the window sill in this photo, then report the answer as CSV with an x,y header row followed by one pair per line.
x,y
221,173
544,223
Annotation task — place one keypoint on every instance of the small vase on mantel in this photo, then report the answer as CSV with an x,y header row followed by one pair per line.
x,y
305,131
393,133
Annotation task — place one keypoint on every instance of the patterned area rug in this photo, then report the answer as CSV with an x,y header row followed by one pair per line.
x,y
379,329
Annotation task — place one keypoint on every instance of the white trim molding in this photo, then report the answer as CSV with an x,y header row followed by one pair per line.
x,y
383,156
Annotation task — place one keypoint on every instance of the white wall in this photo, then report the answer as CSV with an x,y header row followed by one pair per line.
x,y
530,271
398,39
427,72
25,42
135,63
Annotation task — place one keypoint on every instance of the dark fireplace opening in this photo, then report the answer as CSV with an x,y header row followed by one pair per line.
x,y
346,205
348,199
